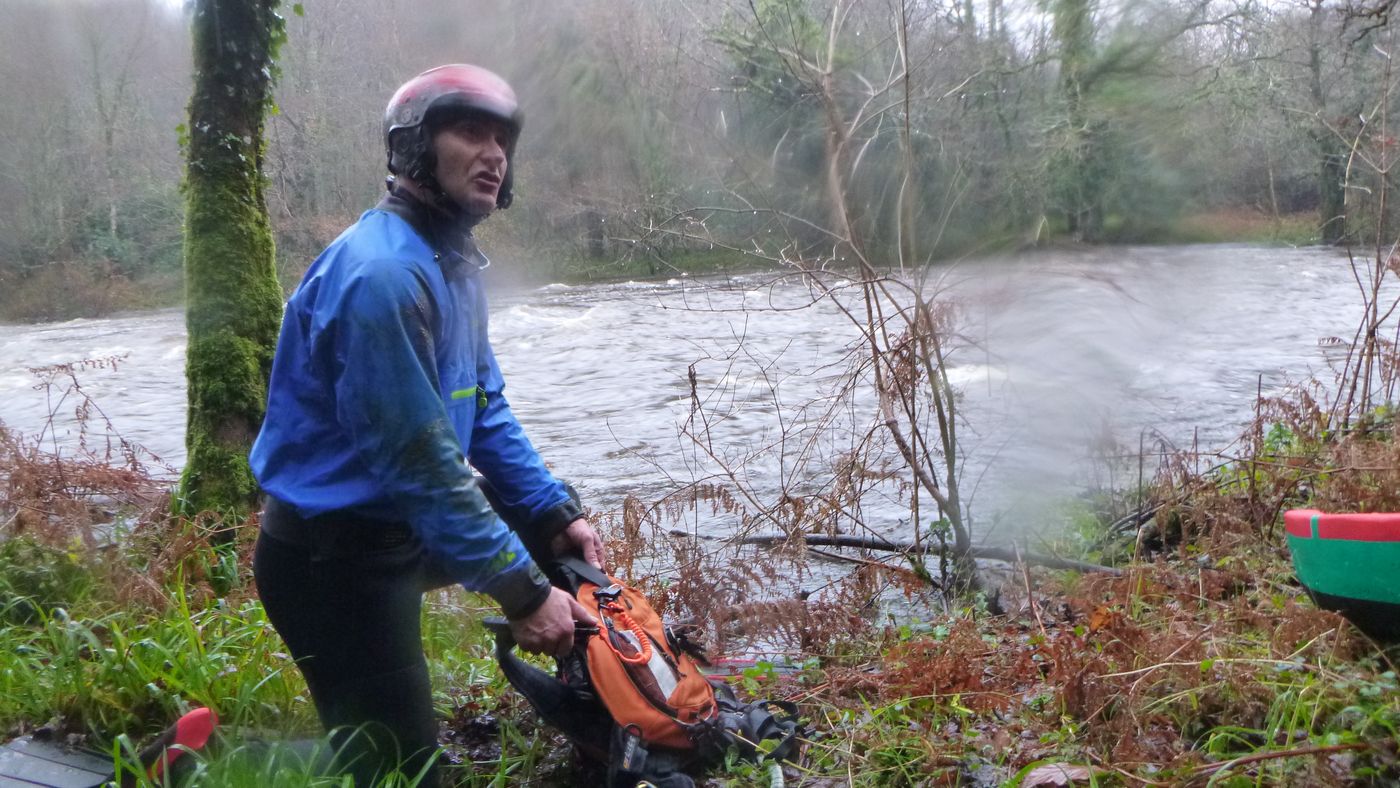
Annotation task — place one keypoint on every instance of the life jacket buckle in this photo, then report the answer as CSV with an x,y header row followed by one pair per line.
x,y
611,593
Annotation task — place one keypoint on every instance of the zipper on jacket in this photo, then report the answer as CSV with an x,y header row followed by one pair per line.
x,y
477,391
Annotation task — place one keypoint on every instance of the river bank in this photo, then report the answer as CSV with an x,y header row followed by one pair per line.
x,y
97,288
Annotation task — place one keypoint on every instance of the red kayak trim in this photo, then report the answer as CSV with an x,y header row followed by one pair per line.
x,y
1313,524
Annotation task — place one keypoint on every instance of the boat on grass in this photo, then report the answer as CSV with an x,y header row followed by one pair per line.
x,y
1350,563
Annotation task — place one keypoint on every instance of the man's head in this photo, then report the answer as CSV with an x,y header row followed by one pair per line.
x,y
451,132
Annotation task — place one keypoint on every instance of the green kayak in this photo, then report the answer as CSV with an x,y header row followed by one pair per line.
x,y
1350,563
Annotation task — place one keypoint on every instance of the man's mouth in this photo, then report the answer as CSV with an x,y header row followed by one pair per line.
x,y
487,180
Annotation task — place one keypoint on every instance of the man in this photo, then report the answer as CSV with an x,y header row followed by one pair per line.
x,y
384,382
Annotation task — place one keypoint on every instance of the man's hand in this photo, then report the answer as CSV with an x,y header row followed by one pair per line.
x,y
550,629
580,538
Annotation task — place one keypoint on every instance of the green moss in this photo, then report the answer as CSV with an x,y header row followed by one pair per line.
x,y
233,299
227,372
227,391
221,482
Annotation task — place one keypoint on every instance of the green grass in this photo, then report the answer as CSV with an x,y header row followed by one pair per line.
x,y
893,710
116,673
132,670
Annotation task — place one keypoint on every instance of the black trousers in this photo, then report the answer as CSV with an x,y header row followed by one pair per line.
x,y
351,619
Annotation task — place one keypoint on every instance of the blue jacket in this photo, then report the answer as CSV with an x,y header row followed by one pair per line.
x,y
384,381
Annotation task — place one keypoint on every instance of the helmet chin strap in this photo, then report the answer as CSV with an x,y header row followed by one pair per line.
x,y
437,198
432,196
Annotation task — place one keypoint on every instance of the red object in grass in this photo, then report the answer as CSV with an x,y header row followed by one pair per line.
x,y
190,732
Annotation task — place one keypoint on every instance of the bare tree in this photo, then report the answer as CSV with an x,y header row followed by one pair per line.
x,y
111,81
905,329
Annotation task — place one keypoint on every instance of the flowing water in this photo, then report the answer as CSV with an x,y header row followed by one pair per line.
x,y
1062,349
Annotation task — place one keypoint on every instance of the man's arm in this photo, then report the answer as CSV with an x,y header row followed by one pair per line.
x,y
549,518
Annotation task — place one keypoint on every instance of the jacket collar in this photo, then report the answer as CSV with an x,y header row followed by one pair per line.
x,y
454,246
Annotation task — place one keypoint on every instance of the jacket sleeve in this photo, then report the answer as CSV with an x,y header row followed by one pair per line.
x,y
387,398
535,503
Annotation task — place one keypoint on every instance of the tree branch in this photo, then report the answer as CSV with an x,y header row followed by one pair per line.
x,y
1008,555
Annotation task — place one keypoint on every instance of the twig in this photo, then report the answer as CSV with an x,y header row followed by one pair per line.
x,y
23,505
1030,595
1217,661
1124,773
1211,768
865,543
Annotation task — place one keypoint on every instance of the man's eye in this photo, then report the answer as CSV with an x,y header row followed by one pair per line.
x,y
480,130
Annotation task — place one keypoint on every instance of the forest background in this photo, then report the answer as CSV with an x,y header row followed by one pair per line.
x,y
853,140
661,134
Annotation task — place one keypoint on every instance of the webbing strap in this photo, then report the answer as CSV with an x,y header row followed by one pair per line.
x,y
585,570
577,714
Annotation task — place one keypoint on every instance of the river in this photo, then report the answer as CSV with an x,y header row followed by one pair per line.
x,y
1061,349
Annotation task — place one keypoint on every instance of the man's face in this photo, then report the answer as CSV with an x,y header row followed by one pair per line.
x,y
471,161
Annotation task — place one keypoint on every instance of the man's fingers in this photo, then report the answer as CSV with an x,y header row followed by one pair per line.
x,y
550,629
563,646
581,613
594,553
589,543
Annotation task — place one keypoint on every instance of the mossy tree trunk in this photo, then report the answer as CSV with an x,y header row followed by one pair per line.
x,y
1331,188
1331,148
1080,185
233,301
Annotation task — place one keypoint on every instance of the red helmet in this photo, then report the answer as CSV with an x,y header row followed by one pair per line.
x,y
444,93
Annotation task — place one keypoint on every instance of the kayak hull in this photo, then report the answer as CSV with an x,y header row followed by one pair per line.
x,y
1350,563
1380,620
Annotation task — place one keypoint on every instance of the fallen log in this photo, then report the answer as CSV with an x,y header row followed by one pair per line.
x,y
1006,554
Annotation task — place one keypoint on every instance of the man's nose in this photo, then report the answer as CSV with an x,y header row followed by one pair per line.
x,y
495,153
